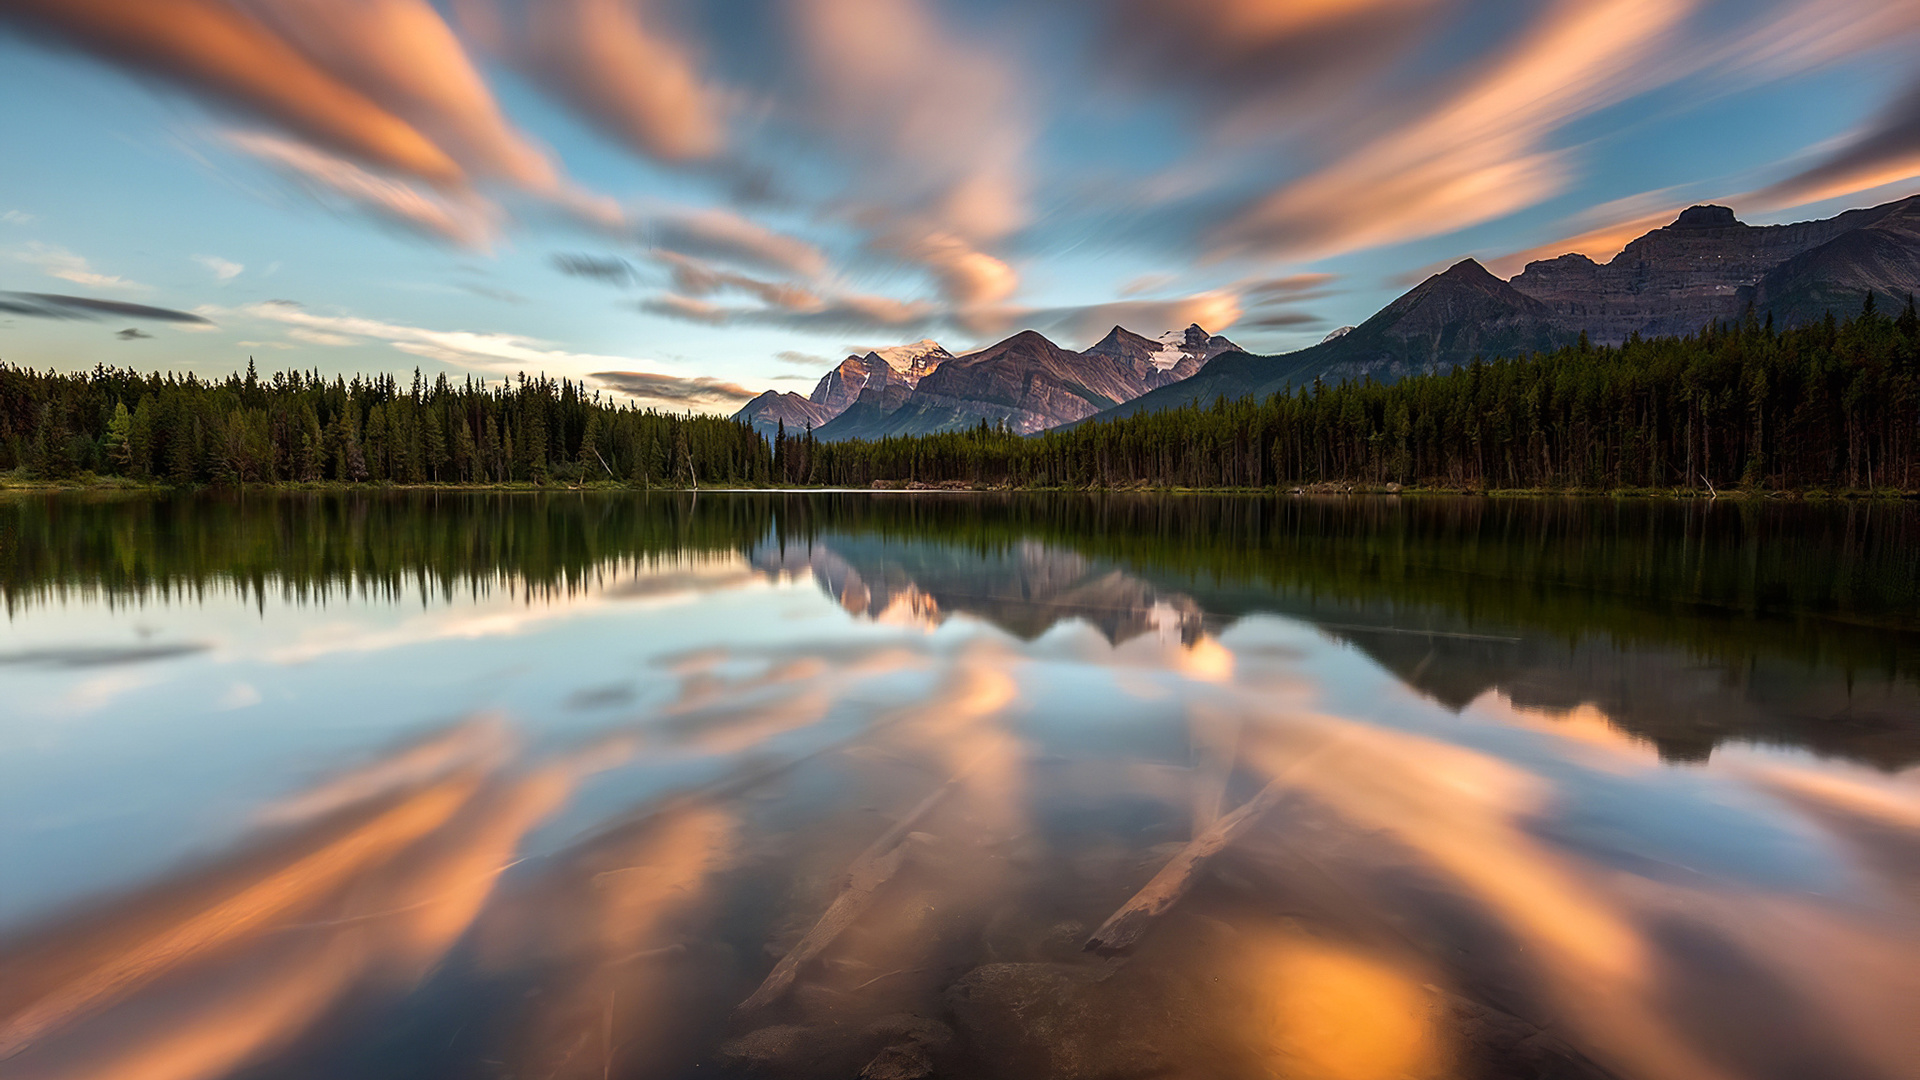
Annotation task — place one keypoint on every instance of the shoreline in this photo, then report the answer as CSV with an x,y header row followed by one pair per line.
x,y
96,484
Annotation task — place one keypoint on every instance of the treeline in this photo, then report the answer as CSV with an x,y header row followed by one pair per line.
x,y
300,427
1829,405
1833,405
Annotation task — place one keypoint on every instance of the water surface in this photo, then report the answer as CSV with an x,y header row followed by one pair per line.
x,y
491,785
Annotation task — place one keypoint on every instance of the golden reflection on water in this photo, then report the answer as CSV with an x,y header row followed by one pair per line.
x,y
1339,1014
1407,893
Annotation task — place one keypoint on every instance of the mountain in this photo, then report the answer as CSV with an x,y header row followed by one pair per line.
x,y
1709,265
891,374
1028,383
1444,321
772,409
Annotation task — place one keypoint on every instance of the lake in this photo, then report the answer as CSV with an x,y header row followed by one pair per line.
x,y
900,785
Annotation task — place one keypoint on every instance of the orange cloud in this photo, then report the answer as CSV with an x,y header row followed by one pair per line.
x,y
1480,154
402,54
616,62
216,49
1884,151
462,218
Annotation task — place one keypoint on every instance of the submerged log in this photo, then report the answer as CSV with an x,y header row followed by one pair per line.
x,y
879,862
1125,927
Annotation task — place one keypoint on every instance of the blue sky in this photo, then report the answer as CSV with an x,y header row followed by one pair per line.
x,y
731,195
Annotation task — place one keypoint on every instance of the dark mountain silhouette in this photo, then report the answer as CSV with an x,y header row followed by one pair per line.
x,y
1709,266
1675,280
1444,321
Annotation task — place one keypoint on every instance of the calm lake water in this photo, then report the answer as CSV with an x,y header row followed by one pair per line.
x,y
436,785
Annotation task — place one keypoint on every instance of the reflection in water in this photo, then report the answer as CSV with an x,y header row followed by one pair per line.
x,y
737,832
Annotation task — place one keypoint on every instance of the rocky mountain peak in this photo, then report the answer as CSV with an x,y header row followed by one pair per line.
x,y
1706,217
1467,270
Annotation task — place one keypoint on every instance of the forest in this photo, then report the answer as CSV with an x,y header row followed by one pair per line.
x,y
1834,405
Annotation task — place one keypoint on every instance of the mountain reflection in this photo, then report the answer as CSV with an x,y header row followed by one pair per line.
x,y
1387,786
1686,624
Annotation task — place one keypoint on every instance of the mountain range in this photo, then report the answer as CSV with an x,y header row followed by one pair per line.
x,y
1706,266
1026,382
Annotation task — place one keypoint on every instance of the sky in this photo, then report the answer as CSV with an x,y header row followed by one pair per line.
x,y
686,202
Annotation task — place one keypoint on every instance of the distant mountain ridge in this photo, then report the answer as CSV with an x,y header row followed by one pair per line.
x,y
1705,266
1709,265
1026,382
1674,280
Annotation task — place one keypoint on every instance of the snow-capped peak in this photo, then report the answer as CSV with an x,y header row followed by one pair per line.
x,y
913,359
1177,345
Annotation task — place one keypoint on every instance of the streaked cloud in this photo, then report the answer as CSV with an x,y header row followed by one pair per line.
x,y
58,262
463,218
610,269
619,63
1884,151
495,353
1481,153
673,389
728,237
228,54
60,306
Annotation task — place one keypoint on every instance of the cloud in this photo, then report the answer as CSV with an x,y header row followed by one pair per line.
x,y
941,124
620,65
687,309
673,389
402,55
853,313
461,218
800,359
1283,320
223,270
17,217
965,276
692,278
132,333
319,337
1480,154
607,268
1290,287
59,306
228,54
1257,56
489,352
1214,310
1605,230
727,237
58,262
1884,151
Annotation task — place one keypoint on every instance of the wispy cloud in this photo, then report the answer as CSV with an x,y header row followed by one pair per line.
x,y
58,262
463,218
1481,153
619,63
1884,151
230,55
493,353
697,392
728,237
223,270
59,306
610,269
801,359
